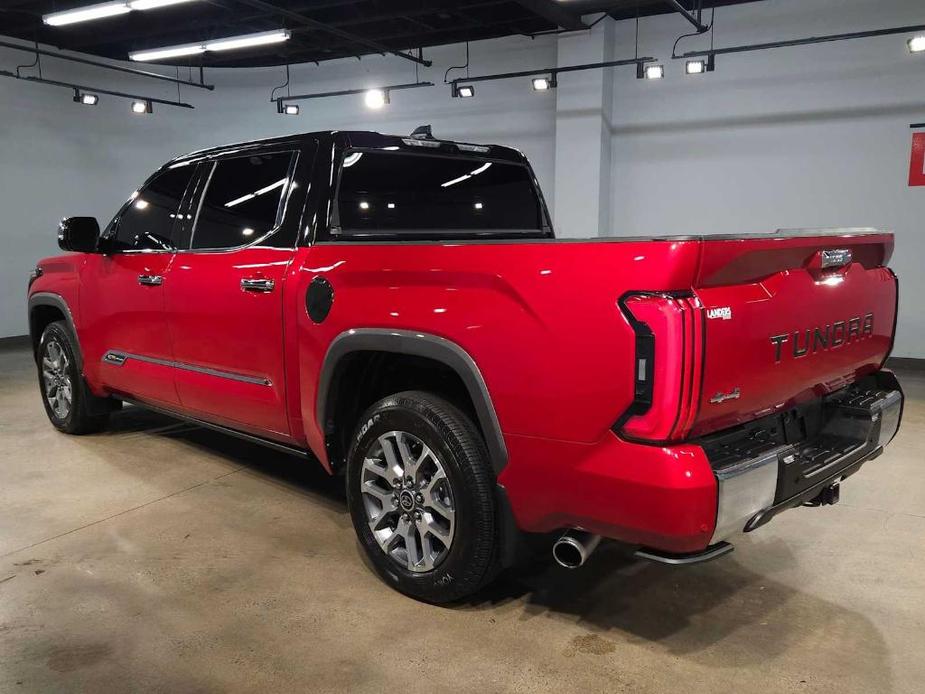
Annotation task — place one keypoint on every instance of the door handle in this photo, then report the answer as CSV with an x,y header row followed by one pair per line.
x,y
151,280
257,285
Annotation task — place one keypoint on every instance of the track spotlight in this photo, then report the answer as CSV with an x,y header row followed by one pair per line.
x,y
916,44
141,107
463,90
86,99
376,98
695,67
541,84
698,66
649,72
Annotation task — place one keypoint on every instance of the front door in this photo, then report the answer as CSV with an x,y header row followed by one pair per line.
x,y
122,293
224,298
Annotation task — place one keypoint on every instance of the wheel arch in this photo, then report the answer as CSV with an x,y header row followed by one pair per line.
x,y
414,344
45,308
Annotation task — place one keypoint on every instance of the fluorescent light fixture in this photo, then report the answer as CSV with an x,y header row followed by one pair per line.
x,y
86,99
248,40
154,4
916,44
695,67
230,43
465,91
169,52
141,106
85,14
376,99
541,84
103,10
654,72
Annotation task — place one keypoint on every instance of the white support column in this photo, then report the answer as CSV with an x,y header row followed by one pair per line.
x,y
584,105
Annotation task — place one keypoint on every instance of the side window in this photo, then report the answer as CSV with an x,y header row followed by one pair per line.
x,y
242,200
147,222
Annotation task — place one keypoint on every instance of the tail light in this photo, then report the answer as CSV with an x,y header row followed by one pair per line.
x,y
669,349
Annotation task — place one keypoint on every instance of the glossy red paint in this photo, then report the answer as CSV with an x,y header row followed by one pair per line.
x,y
216,325
542,322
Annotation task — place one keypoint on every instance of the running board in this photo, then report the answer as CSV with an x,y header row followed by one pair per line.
x,y
712,552
259,440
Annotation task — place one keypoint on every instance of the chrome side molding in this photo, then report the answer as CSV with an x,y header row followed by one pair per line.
x,y
118,358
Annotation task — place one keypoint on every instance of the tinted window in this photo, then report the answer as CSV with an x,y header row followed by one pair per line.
x,y
242,200
148,221
384,192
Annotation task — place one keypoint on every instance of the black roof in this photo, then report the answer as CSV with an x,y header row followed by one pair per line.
x,y
371,140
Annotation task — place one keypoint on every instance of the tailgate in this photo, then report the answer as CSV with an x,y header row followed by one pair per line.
x,y
789,318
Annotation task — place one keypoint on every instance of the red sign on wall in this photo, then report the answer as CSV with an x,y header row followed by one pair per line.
x,y
917,160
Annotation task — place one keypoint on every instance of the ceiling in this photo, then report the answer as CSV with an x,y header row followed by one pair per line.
x,y
321,29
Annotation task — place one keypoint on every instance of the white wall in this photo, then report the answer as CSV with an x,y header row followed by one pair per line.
x,y
797,137
816,136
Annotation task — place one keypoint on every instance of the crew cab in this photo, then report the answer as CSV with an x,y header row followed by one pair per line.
x,y
398,310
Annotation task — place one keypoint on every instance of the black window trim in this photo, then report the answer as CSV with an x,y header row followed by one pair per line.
x,y
283,206
113,227
336,233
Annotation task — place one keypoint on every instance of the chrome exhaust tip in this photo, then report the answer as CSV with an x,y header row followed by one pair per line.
x,y
574,547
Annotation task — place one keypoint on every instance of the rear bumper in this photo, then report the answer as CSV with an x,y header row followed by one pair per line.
x,y
753,490
684,498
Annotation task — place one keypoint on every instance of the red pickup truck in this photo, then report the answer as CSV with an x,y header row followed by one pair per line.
x,y
398,310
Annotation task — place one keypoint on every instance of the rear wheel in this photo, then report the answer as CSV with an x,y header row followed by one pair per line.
x,y
420,491
65,398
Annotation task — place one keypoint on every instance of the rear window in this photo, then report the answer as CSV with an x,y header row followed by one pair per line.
x,y
386,193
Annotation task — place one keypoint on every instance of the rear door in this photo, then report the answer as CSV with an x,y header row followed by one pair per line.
x,y
122,292
790,318
224,300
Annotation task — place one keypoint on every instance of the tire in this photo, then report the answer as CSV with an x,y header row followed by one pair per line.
x,y
61,384
458,505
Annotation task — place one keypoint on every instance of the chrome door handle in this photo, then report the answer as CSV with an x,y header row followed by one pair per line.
x,y
257,285
151,280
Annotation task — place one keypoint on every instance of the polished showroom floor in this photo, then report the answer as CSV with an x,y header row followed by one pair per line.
x,y
162,557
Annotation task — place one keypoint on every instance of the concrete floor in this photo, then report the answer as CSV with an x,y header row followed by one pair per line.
x,y
161,557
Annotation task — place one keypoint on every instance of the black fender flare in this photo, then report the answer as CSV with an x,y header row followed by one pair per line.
x,y
56,300
423,345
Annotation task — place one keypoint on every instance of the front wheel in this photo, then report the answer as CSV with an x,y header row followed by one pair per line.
x,y
63,394
420,491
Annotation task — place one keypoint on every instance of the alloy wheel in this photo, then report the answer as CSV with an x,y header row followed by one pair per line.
x,y
57,379
408,501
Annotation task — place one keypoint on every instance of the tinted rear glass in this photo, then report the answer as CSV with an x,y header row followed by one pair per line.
x,y
388,193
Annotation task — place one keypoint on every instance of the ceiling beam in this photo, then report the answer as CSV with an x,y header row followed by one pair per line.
x,y
688,15
553,12
321,26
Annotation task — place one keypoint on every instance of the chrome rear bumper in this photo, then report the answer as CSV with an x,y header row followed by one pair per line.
x,y
769,476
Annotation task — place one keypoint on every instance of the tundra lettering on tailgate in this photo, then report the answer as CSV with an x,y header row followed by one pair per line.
x,y
813,340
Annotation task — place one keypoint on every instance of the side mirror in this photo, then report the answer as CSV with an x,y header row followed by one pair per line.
x,y
79,234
